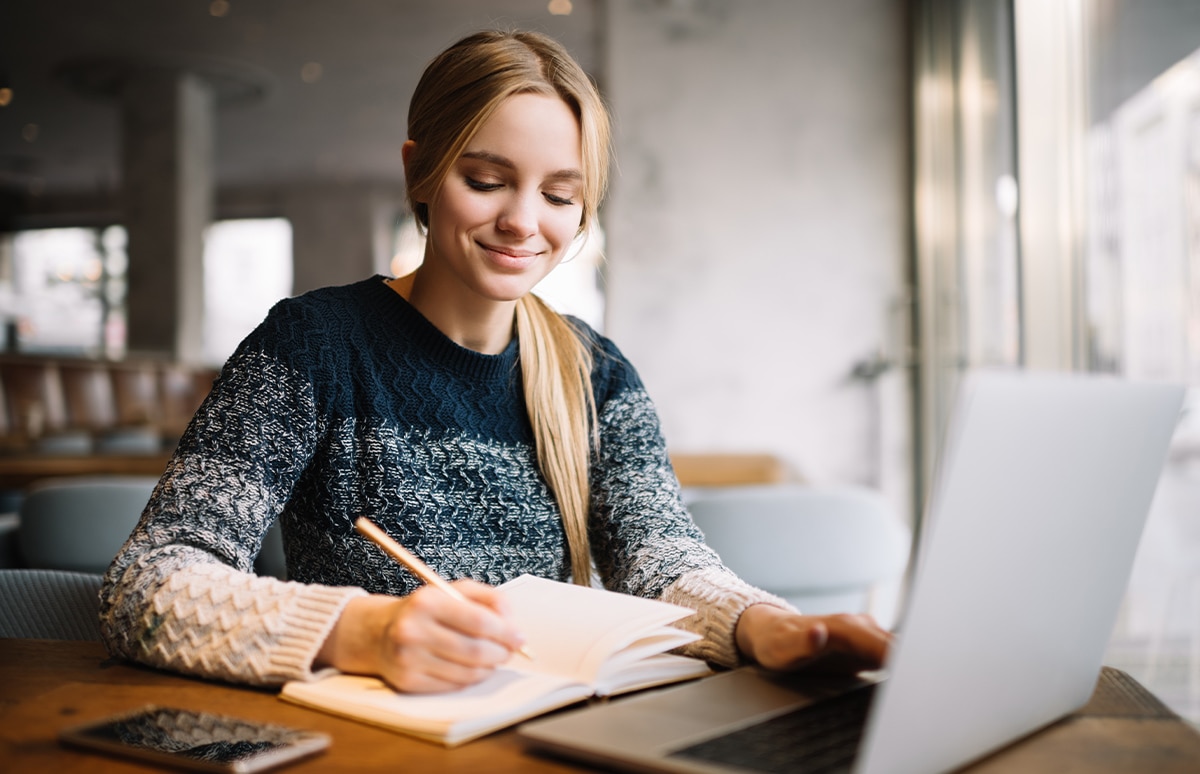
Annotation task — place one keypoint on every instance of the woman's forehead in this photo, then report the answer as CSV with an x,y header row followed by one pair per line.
x,y
530,129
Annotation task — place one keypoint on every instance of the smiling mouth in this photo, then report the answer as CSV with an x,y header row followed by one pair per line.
x,y
509,259
508,252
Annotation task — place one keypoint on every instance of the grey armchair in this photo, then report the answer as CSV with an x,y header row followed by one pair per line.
x,y
49,604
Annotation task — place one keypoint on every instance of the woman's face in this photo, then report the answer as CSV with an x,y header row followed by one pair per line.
x,y
511,205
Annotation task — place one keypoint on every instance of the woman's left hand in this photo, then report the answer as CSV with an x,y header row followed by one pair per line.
x,y
782,640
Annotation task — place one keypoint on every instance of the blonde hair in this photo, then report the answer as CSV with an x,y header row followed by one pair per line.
x,y
458,92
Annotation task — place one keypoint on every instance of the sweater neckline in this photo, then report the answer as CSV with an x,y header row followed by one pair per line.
x,y
403,319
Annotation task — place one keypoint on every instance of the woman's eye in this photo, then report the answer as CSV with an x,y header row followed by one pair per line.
x,y
479,185
559,200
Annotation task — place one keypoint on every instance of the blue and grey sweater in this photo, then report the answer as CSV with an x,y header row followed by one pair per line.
x,y
346,402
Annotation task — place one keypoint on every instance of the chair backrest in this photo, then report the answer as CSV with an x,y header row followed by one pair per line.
x,y
88,391
271,559
34,394
79,524
822,548
136,389
183,389
49,604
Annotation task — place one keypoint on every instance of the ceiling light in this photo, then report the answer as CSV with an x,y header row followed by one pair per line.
x,y
560,7
218,8
6,96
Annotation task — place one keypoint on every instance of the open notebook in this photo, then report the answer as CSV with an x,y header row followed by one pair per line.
x,y
584,642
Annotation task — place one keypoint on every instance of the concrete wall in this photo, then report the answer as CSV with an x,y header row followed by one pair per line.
x,y
756,227
340,234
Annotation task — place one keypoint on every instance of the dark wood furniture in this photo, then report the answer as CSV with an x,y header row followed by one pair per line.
x,y
18,471
41,397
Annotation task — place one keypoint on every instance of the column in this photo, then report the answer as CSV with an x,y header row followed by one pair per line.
x,y
168,188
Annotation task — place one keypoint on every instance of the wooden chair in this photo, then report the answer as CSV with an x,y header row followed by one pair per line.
x,y
182,389
35,397
136,388
88,392
38,408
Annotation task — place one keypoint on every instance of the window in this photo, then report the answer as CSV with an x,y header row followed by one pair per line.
x,y
1103,270
247,268
1140,273
63,290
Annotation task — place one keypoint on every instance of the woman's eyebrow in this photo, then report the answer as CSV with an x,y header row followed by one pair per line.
x,y
504,161
491,158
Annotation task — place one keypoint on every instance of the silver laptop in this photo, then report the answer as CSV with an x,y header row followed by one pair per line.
x,y
1034,521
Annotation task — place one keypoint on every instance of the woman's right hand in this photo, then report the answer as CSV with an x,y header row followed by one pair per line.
x,y
427,641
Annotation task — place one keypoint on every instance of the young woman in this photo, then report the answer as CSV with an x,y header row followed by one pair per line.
x,y
485,432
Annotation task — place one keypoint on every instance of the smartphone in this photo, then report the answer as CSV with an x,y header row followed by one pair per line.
x,y
200,741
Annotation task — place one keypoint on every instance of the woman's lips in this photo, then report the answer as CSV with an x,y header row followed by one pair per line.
x,y
509,257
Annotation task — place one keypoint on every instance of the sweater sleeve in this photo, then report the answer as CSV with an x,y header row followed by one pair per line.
x,y
719,598
181,593
643,539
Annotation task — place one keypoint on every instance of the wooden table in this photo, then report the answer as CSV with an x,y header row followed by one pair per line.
x,y
47,685
19,471
694,470
709,470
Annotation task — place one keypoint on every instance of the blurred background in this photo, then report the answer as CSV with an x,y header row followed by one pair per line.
x,y
822,215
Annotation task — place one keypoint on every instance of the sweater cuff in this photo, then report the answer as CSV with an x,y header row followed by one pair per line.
x,y
719,598
306,626
214,621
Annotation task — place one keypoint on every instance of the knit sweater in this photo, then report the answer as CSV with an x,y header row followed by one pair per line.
x,y
345,402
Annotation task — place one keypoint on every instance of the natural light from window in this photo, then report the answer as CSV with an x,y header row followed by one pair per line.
x,y
247,268
63,290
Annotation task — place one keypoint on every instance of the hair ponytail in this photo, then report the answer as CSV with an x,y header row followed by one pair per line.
x,y
457,93
556,366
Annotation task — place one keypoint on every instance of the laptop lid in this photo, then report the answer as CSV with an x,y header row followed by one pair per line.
x,y
1032,531
1030,536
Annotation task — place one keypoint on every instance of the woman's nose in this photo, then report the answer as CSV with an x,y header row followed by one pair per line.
x,y
518,216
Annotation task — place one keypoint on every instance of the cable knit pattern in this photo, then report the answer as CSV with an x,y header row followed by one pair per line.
x,y
345,402
718,597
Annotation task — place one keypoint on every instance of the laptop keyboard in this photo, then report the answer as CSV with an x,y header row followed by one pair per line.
x,y
821,738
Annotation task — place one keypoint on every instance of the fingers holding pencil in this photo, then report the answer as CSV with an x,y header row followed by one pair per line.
x,y
441,637
479,594
424,642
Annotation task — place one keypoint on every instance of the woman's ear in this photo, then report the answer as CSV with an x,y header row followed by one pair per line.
x,y
406,151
